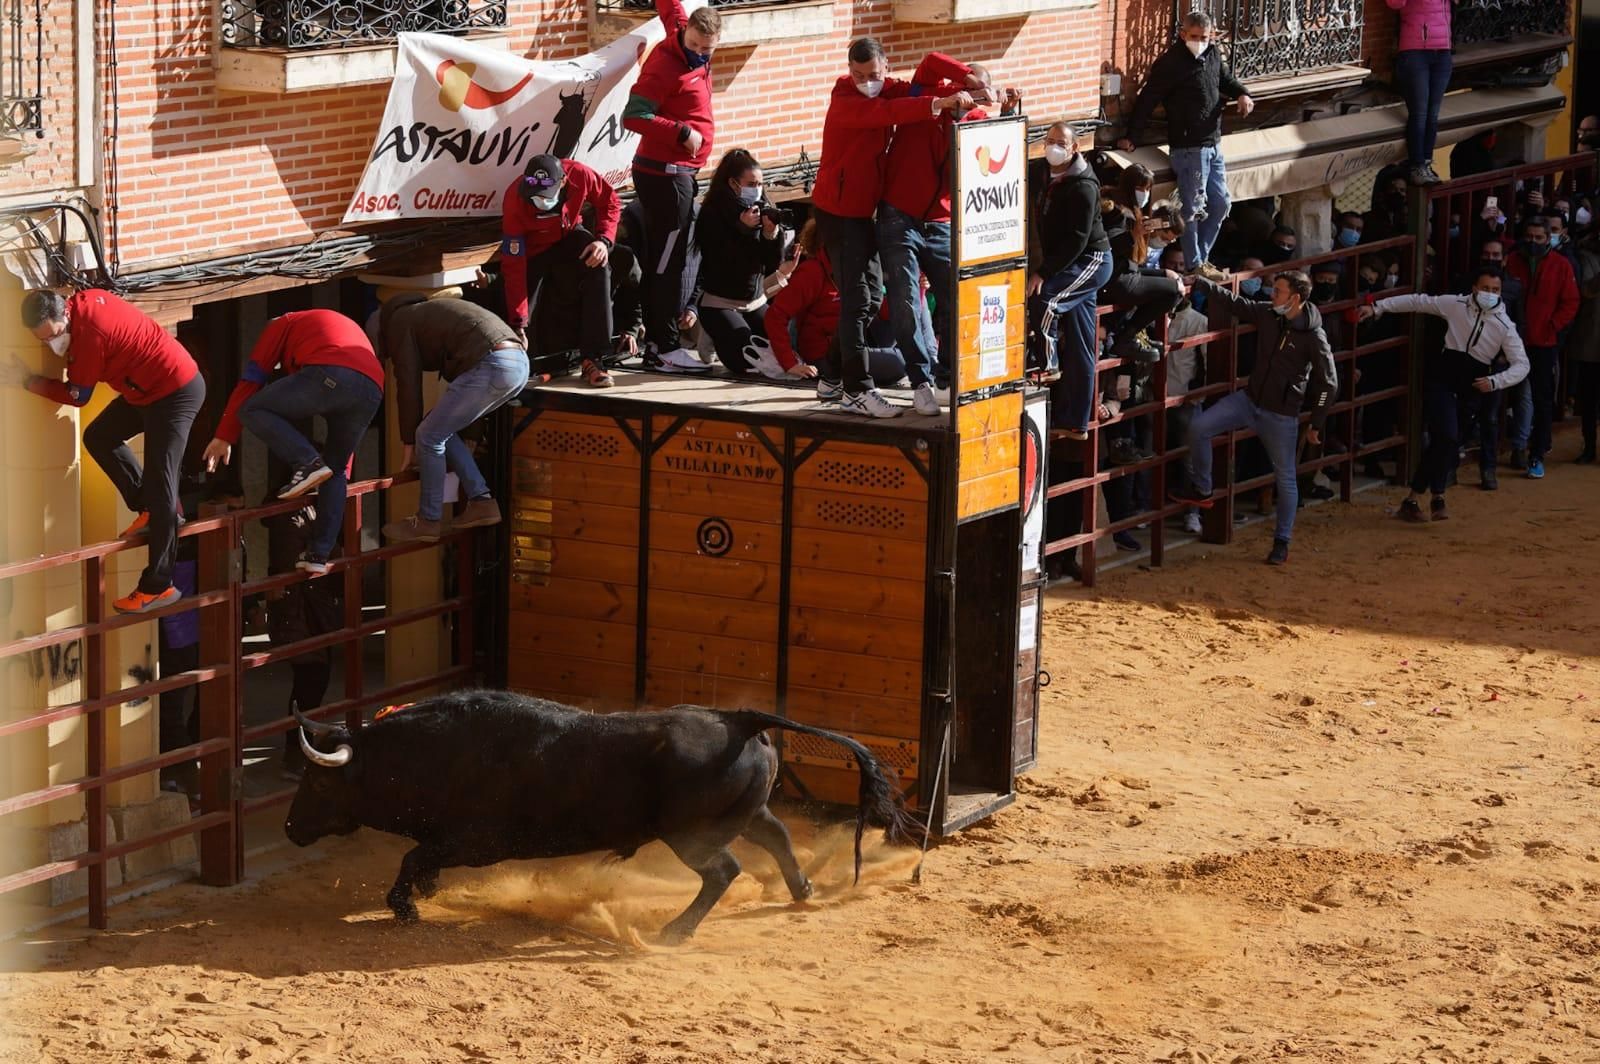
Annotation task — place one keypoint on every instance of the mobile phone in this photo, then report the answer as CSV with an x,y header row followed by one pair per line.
x,y
1491,203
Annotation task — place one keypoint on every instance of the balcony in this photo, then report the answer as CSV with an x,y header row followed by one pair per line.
x,y
937,12
287,46
1494,37
744,22
21,97
1285,47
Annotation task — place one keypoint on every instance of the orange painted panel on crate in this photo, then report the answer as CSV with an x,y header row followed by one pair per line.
x,y
578,438
600,600
544,634
573,680
987,494
844,711
892,518
720,450
856,469
544,478
691,650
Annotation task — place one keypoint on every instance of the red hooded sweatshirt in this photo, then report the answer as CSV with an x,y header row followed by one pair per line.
x,y
669,99
811,301
114,341
527,232
918,171
294,341
856,132
1549,296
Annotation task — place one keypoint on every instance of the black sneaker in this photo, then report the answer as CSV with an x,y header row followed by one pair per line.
x,y
1279,554
1487,481
305,479
1438,510
1518,459
1123,452
1585,458
1126,541
1411,510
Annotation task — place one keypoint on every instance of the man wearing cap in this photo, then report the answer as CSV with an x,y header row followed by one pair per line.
x,y
543,228
670,109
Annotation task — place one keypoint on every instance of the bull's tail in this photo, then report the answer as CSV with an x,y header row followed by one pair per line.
x,y
878,803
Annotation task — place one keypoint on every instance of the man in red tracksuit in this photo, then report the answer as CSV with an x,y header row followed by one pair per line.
x,y
160,391
863,110
670,109
913,230
543,229
1549,304
329,369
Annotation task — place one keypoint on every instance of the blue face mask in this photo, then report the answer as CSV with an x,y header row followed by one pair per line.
x,y
749,195
1250,286
1348,237
696,60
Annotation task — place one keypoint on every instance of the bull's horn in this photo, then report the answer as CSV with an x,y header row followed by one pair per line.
x,y
339,757
315,727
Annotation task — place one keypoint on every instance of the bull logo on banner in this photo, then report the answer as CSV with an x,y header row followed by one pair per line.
x,y
462,120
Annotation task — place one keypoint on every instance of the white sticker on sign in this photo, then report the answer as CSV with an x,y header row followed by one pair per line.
x,y
992,331
1028,628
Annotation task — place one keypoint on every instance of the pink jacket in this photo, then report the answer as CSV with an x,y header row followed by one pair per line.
x,y
1424,24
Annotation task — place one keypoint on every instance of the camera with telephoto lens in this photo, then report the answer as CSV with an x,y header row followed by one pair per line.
x,y
778,215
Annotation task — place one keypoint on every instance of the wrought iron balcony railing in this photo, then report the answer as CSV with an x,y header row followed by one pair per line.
x,y
1281,38
345,23
1481,21
648,7
20,111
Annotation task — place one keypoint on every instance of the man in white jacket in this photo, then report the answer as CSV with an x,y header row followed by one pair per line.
x,y
1482,355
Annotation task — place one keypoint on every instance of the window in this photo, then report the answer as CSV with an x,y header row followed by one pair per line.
x,y
21,40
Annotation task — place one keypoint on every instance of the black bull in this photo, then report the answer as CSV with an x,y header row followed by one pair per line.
x,y
480,777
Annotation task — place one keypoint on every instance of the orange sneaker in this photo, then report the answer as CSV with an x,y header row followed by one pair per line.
x,y
141,521
137,601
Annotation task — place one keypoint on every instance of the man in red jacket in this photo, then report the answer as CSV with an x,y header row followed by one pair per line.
x,y
913,232
329,369
670,109
1549,304
543,229
160,391
865,107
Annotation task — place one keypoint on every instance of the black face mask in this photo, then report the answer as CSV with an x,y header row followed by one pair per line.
x,y
1324,292
1367,284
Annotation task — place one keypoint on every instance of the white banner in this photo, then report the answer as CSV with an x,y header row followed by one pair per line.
x,y
990,205
463,120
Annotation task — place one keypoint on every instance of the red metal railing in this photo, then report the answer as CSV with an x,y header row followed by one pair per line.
x,y
1222,376
220,683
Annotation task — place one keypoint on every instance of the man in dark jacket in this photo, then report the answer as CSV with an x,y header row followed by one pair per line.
x,y
1294,368
1189,81
670,109
1074,264
1550,303
485,365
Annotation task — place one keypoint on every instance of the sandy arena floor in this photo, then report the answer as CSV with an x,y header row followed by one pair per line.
x,y
1345,811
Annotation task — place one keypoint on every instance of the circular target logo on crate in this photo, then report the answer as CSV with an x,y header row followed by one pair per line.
x,y
714,537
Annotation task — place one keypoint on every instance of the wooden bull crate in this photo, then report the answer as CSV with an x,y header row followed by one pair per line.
x,y
734,544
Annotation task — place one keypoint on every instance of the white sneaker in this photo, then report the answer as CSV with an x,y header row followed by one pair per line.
x,y
924,401
942,395
682,360
762,361
829,391
869,403
1191,523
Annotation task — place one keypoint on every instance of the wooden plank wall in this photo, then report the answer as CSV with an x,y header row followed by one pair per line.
x,y
572,632
856,612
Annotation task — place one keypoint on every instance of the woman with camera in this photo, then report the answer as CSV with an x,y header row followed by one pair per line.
x,y
740,242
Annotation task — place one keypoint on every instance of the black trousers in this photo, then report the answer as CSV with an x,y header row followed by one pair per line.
x,y
1150,297
594,293
852,247
668,205
1586,389
1448,394
165,426
730,331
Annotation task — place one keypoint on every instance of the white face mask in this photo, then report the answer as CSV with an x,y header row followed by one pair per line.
x,y
59,343
546,203
1583,216
1281,309
1198,48
869,89
1141,197
1487,300
1057,154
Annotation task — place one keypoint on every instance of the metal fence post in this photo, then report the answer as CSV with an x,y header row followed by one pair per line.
x,y
221,706
94,603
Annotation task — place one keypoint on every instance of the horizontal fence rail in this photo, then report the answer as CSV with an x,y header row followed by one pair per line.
x,y
219,681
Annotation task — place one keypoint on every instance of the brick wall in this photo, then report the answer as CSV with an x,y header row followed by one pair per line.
x,y
52,164
203,174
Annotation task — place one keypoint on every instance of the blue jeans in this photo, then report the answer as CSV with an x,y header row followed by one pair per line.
x,y
1422,75
1278,434
1065,312
1203,197
1520,402
500,376
908,249
347,401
